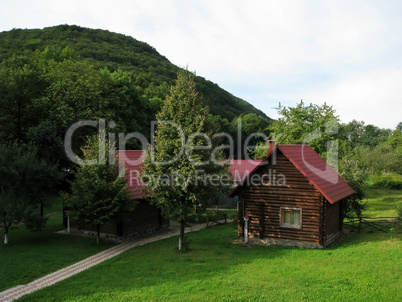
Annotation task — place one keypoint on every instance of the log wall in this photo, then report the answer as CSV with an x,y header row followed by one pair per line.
x,y
333,219
262,202
145,218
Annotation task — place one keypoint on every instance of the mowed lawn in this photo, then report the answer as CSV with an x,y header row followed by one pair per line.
x,y
362,267
382,202
31,255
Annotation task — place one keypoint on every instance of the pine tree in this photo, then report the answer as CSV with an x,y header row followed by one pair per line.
x,y
183,160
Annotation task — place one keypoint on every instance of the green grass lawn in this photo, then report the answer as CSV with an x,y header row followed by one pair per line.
x,y
362,267
31,255
382,202
379,203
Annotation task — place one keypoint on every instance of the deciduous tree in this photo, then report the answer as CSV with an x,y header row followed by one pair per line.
x,y
354,172
98,193
26,181
306,124
20,84
318,126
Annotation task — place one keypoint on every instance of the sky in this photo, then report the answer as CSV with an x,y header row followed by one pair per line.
x,y
347,53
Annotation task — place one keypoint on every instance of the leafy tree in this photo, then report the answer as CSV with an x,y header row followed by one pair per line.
x,y
50,145
359,134
353,171
98,193
251,123
374,136
26,181
20,84
395,139
383,159
309,124
319,126
260,151
353,132
179,173
253,128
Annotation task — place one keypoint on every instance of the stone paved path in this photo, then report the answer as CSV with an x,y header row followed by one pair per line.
x,y
21,290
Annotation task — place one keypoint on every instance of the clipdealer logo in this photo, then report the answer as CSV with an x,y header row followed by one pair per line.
x,y
272,178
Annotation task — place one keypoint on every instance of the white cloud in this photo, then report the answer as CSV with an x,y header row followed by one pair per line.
x,y
374,97
346,53
269,36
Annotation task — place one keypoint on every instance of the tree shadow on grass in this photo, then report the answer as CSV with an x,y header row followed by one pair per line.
x,y
213,265
31,255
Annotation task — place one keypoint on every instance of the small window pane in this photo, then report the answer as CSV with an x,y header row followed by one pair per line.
x,y
291,218
286,217
296,217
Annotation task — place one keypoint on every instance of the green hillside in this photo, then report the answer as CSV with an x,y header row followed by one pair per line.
x,y
154,73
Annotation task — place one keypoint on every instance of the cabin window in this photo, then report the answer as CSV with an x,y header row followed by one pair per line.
x,y
290,217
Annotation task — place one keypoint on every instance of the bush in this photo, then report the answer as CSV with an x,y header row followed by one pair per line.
x,y
211,215
398,209
356,175
388,182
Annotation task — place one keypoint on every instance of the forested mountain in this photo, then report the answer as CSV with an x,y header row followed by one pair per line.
x,y
104,49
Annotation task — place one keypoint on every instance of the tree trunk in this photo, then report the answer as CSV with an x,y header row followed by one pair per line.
x,y
6,236
181,237
98,234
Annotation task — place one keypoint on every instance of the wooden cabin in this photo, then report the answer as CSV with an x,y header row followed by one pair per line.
x,y
292,197
144,219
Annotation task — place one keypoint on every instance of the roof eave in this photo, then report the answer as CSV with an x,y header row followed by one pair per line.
x,y
232,194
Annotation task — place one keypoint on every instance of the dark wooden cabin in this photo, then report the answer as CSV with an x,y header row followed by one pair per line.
x,y
292,197
144,219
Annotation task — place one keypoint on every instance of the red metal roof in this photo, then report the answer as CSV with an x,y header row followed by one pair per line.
x,y
315,169
132,162
241,168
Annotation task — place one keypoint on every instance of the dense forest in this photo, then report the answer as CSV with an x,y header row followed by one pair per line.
x,y
54,77
101,49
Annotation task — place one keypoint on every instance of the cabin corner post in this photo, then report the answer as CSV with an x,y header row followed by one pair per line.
x,y
323,229
261,220
341,217
240,215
